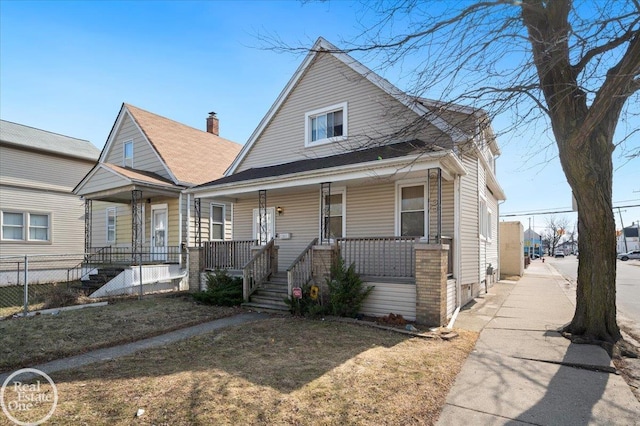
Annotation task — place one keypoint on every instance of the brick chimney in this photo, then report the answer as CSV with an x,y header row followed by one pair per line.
x,y
213,124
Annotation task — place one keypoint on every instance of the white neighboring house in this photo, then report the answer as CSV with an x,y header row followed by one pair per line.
x,y
39,214
629,238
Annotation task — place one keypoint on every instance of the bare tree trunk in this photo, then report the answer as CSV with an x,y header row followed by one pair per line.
x,y
590,173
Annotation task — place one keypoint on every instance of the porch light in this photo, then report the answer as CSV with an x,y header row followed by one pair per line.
x,y
280,210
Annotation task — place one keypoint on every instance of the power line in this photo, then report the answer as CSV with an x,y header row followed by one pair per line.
x,y
556,211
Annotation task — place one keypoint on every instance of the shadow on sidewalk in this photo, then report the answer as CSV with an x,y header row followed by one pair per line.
x,y
572,394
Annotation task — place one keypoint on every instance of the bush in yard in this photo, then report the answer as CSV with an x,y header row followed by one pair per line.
x,y
59,296
347,291
308,305
222,290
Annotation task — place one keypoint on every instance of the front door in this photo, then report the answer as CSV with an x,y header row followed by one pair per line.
x,y
159,232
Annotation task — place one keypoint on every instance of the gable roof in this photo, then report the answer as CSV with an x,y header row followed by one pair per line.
x,y
323,46
191,156
42,140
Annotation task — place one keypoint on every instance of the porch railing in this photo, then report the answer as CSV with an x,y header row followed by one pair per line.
x,y
82,270
123,255
380,256
227,254
301,270
258,269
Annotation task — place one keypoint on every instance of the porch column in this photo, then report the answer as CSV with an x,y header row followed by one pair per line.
x,y
88,220
323,258
431,283
136,227
434,194
198,209
325,209
262,217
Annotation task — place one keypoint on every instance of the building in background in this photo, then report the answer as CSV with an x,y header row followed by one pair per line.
x,y
628,238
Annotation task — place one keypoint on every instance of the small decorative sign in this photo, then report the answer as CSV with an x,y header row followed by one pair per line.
x,y
297,292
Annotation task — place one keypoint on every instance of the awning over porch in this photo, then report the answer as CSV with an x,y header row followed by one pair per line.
x,y
396,161
108,182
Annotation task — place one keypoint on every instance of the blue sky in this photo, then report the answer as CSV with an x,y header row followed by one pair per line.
x,y
66,67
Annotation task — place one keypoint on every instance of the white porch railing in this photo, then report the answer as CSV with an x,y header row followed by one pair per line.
x,y
226,254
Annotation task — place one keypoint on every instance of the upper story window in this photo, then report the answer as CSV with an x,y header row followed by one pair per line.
x,y
326,125
127,150
36,225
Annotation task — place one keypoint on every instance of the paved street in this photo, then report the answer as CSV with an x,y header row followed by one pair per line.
x,y
627,288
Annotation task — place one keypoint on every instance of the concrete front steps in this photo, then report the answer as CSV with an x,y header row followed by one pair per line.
x,y
269,297
103,276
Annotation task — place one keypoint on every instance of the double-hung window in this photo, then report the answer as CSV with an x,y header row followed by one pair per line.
x,y
12,226
412,210
26,226
326,125
484,220
217,222
111,225
38,227
333,215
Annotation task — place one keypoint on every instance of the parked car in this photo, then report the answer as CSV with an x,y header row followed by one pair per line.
x,y
558,254
633,254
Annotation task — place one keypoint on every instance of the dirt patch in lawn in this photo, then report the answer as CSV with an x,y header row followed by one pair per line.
x,y
275,371
25,341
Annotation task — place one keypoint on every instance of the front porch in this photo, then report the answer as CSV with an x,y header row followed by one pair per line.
x,y
412,277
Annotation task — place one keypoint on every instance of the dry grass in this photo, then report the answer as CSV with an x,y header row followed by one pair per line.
x,y
40,338
276,371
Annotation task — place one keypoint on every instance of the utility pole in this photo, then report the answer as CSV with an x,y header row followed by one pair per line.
x,y
624,237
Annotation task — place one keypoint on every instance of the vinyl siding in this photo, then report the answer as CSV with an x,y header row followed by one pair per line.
x,y
386,298
103,180
300,219
206,224
371,210
469,233
144,156
493,244
99,222
66,221
31,169
372,114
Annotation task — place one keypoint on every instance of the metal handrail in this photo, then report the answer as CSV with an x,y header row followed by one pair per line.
x,y
85,261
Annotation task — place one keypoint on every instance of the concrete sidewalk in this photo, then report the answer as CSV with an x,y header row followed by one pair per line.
x,y
523,371
106,354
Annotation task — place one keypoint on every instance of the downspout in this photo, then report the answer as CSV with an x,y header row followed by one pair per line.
x,y
188,239
456,257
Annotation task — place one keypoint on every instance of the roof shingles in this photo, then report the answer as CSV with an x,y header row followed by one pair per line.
x,y
193,156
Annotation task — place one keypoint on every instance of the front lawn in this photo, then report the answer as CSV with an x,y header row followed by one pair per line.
x,y
276,371
26,341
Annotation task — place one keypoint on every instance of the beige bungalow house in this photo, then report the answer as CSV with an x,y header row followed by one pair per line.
x,y
136,209
344,163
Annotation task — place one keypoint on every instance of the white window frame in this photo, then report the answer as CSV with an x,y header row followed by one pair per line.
x,y
124,153
115,221
323,111
212,222
398,205
334,191
270,211
2,226
30,226
26,226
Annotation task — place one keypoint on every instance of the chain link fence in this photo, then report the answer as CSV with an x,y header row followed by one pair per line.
x,y
27,283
